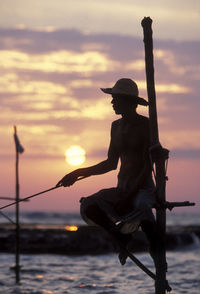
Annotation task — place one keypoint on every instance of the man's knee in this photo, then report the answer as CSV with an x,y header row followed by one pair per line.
x,y
149,228
90,211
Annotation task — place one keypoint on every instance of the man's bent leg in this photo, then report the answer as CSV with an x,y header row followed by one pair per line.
x,y
149,228
93,213
98,216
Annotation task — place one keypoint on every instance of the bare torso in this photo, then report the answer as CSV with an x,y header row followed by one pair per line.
x,y
130,142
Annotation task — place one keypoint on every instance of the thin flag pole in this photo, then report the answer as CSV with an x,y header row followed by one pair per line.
x,y
18,149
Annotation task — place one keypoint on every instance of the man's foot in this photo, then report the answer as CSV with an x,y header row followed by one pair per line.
x,y
153,255
122,241
122,256
123,245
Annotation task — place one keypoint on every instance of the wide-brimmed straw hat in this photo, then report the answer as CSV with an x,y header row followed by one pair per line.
x,y
126,87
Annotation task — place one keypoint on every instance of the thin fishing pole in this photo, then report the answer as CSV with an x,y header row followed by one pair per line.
x,y
26,198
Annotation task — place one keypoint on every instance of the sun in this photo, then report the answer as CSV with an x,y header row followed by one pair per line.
x,y
75,155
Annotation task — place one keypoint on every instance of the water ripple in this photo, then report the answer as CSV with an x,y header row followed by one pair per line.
x,y
43,274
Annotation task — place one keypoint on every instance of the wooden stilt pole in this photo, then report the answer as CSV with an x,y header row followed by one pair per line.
x,y
161,155
142,266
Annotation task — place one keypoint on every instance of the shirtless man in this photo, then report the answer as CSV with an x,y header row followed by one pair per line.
x,y
134,194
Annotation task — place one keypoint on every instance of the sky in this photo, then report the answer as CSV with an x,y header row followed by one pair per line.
x,y
54,58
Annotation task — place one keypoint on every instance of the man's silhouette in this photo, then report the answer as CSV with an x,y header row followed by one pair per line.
x,y
134,194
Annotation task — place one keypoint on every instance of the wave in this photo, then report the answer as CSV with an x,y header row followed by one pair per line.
x,y
57,217
40,217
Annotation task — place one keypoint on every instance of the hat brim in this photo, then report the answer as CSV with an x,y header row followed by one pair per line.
x,y
139,100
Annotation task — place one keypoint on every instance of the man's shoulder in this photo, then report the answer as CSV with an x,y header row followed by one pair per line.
x,y
116,123
143,120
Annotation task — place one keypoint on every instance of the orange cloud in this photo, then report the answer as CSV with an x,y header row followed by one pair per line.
x,y
138,65
12,83
168,58
166,88
63,61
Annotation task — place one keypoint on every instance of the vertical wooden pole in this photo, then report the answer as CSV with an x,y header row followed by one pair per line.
x,y
149,64
160,285
17,229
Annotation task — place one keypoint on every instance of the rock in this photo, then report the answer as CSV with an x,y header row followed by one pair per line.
x,y
86,240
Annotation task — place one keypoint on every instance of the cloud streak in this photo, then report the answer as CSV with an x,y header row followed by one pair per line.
x,y
93,16
53,78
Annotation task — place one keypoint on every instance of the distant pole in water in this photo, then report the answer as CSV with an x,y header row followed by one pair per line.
x,y
19,149
160,158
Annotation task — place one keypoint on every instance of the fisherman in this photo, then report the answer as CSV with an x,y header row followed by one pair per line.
x,y
123,209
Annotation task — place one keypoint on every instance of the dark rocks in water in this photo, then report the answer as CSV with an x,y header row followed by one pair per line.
x,y
179,237
86,240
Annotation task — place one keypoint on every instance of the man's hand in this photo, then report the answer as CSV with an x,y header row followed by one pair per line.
x,y
69,179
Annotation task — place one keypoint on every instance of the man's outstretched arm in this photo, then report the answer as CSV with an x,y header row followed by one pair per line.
x,y
98,169
101,168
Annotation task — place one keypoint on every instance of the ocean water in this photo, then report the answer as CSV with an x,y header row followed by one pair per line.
x,y
97,274
62,218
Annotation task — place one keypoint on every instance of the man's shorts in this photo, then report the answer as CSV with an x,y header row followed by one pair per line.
x,y
107,199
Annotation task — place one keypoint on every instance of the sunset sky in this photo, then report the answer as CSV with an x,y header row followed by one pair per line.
x,y
55,56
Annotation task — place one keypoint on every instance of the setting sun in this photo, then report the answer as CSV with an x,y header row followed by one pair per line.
x,y
75,155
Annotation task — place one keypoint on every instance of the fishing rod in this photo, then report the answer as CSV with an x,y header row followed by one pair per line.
x,y
23,199
26,198
34,195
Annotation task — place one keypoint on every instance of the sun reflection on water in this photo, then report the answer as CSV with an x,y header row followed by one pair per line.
x,y
71,228
40,276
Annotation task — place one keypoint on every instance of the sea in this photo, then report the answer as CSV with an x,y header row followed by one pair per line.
x,y
97,274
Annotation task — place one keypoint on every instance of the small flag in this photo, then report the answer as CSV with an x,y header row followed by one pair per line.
x,y
19,147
